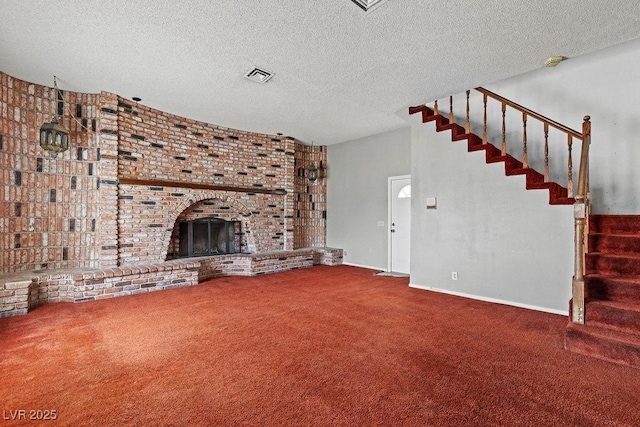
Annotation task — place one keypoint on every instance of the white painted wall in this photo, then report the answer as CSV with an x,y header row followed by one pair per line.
x,y
357,194
606,86
505,242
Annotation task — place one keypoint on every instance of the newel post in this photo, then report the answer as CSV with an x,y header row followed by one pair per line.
x,y
581,221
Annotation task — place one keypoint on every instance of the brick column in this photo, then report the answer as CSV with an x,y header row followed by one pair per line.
x,y
107,232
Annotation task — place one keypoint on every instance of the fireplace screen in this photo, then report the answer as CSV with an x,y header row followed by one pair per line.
x,y
210,236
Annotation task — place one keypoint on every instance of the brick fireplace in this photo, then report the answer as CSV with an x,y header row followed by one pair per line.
x,y
113,203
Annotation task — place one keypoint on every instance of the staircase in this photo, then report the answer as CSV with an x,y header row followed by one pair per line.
x,y
558,195
612,292
605,308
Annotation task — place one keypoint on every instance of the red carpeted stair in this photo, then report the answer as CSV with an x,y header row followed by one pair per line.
x,y
512,166
612,292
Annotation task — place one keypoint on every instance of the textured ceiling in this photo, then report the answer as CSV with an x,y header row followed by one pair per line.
x,y
340,73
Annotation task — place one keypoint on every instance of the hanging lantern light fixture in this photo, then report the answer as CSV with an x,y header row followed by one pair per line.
x,y
312,171
53,136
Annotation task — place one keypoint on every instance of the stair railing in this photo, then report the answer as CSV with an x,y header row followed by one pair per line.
x,y
582,196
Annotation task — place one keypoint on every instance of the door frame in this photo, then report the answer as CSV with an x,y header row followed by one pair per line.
x,y
389,213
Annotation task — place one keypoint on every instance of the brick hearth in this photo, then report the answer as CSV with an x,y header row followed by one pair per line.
x,y
20,292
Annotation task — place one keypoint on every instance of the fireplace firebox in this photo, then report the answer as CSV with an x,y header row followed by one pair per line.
x,y
208,236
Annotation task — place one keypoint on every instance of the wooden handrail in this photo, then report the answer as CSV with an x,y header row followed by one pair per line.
x,y
531,113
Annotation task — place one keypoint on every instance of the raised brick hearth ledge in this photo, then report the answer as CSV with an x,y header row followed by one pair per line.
x,y
22,291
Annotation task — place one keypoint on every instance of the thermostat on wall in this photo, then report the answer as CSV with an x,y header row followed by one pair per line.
x,y
432,202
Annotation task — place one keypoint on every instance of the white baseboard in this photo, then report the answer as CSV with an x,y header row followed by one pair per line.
x,y
493,300
364,266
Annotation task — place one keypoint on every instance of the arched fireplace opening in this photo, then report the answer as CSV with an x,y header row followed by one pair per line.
x,y
208,227
207,236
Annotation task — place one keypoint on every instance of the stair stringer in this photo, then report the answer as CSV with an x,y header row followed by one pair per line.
x,y
534,180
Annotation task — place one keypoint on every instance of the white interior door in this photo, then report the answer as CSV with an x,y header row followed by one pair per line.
x,y
399,224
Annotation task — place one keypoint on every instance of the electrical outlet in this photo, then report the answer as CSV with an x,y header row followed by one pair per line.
x,y
454,275
344,253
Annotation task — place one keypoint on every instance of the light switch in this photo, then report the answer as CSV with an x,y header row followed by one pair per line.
x,y
432,203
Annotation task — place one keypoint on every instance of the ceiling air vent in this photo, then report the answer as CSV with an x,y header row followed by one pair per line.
x,y
368,5
258,75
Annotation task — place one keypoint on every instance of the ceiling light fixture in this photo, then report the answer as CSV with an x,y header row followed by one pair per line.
x,y
554,60
368,5
259,75
53,136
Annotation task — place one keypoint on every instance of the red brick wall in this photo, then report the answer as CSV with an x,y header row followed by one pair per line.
x,y
157,145
50,207
74,211
311,203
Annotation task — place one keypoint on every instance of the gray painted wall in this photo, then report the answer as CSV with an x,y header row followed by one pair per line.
x,y
606,86
357,194
505,242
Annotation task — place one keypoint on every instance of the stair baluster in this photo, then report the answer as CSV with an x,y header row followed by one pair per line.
x,y
570,166
503,149
525,154
484,122
467,124
546,153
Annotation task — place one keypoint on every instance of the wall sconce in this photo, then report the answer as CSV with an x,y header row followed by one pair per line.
x,y
53,136
312,173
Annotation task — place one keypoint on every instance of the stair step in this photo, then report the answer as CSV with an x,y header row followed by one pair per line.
x,y
613,287
603,263
457,132
494,155
614,315
602,343
480,147
614,243
615,224
474,143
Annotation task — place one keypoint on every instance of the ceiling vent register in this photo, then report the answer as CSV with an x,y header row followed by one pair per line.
x,y
368,5
259,75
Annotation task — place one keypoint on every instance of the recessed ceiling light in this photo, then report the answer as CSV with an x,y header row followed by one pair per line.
x,y
259,75
368,5
554,60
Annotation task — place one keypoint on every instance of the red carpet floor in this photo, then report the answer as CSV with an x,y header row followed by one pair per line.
x,y
321,346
